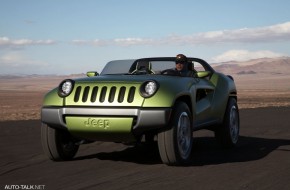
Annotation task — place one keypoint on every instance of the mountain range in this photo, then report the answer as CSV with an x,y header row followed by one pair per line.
x,y
268,66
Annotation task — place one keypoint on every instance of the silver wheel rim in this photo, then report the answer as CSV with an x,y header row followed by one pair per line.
x,y
234,124
184,136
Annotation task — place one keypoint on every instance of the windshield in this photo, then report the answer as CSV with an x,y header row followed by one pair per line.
x,y
129,66
117,67
156,65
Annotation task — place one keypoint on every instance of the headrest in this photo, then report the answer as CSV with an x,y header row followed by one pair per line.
x,y
143,65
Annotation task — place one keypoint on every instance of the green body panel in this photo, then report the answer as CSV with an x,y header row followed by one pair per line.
x,y
224,88
171,88
52,99
202,74
101,128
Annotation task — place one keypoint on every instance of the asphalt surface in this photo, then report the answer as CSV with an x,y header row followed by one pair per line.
x,y
260,161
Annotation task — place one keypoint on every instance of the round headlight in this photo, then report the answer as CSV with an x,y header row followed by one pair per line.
x,y
65,87
148,88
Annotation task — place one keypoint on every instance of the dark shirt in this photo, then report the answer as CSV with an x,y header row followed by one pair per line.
x,y
184,72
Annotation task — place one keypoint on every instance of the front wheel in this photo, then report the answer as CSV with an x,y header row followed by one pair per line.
x,y
228,133
58,144
175,144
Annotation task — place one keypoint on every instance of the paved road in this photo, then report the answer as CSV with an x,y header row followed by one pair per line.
x,y
261,160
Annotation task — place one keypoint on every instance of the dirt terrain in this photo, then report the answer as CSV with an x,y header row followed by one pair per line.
x,y
260,161
21,97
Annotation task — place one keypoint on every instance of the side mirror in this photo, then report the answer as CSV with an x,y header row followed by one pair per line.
x,y
92,73
203,74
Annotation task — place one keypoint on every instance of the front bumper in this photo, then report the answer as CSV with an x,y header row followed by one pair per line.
x,y
143,119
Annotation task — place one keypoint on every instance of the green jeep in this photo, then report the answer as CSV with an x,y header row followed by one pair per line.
x,y
146,99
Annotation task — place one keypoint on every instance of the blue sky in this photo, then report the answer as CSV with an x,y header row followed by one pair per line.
x,y
69,36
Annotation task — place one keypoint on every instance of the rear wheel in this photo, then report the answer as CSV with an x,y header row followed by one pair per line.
x,y
228,133
58,144
175,144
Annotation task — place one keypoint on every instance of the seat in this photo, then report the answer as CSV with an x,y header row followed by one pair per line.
x,y
143,67
191,71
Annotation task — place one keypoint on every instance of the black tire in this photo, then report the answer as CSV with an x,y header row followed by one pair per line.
x,y
57,144
149,138
228,133
175,144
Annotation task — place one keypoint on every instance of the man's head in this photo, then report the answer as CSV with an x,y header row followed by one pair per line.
x,y
180,61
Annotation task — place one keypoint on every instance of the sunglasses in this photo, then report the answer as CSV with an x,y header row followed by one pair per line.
x,y
180,62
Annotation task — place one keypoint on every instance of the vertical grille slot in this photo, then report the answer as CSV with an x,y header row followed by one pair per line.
x,y
121,94
86,93
77,94
103,94
94,94
112,94
131,94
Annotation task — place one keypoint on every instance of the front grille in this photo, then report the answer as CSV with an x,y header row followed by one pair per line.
x,y
103,94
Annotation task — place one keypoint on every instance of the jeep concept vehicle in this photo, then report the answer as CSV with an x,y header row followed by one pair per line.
x,y
139,99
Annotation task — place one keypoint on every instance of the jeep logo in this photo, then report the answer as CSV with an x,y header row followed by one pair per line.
x,y
102,123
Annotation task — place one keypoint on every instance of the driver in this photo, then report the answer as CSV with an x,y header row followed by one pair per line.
x,y
181,65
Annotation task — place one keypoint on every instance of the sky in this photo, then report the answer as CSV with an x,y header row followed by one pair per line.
x,y
70,37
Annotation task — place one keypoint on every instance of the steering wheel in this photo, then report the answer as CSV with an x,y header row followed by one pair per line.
x,y
170,72
143,71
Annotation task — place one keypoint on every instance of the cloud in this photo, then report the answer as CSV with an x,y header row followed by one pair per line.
x,y
115,42
244,55
18,60
96,42
262,34
273,33
6,42
133,41
29,22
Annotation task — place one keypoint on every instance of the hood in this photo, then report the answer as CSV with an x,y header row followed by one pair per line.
x,y
115,78
123,78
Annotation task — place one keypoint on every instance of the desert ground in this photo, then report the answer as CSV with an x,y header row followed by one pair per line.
x,y
260,161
